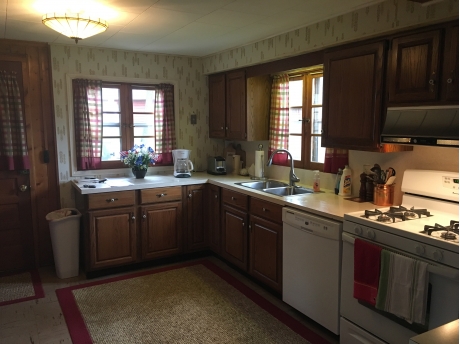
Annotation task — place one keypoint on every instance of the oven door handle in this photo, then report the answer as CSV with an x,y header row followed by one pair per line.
x,y
432,269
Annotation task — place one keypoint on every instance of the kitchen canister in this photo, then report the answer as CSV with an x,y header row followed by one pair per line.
x,y
384,194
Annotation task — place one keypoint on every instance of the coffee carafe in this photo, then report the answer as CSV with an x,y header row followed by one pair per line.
x,y
182,165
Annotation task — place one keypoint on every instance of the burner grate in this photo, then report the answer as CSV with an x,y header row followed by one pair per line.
x,y
449,232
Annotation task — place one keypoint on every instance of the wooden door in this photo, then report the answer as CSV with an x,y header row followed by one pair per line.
x,y
161,226
265,251
112,237
214,218
414,68
217,105
196,217
449,82
235,237
352,93
16,234
236,105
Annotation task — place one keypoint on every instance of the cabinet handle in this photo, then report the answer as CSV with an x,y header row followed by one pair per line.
x,y
226,128
215,196
431,82
162,195
263,209
243,224
449,81
233,198
250,228
133,217
144,216
190,195
111,199
221,128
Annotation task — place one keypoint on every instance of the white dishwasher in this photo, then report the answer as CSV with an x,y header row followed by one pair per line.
x,y
311,266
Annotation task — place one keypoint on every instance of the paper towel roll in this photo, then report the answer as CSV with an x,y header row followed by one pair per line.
x,y
259,164
236,164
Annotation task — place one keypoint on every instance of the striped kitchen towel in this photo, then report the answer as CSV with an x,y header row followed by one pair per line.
x,y
403,287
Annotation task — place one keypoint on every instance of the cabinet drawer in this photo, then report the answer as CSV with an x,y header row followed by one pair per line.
x,y
109,200
265,209
235,199
159,195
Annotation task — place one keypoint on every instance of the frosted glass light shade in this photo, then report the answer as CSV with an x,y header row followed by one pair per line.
x,y
75,26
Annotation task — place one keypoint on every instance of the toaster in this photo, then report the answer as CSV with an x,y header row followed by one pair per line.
x,y
216,165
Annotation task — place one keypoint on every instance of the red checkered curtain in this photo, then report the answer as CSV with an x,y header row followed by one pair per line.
x,y
165,134
335,159
13,144
279,119
87,105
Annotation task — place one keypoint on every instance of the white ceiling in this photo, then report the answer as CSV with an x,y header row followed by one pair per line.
x,y
178,27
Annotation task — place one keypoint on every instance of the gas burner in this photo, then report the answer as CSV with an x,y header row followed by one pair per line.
x,y
445,232
411,213
370,213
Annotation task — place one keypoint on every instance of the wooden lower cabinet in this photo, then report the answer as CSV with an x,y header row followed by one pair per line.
x,y
235,236
196,217
161,230
113,238
265,250
214,227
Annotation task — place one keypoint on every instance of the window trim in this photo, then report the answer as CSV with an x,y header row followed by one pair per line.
x,y
307,76
117,172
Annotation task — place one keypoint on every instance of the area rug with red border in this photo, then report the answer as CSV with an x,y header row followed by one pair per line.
x,y
20,287
195,302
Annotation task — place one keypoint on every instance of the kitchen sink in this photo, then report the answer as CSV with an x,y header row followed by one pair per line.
x,y
288,191
263,184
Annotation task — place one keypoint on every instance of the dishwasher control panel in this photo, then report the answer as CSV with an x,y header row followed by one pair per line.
x,y
312,223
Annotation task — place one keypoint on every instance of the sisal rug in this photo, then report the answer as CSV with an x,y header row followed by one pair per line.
x,y
20,287
190,303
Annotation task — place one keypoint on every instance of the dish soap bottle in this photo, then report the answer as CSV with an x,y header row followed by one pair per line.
x,y
316,187
345,182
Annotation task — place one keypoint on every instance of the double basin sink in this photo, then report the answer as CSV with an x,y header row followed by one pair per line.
x,y
275,187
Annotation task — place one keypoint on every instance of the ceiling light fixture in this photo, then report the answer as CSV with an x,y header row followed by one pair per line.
x,y
75,26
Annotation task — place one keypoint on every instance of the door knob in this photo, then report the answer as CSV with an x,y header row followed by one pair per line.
x,y
23,188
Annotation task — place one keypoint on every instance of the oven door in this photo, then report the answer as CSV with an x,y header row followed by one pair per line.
x,y
443,302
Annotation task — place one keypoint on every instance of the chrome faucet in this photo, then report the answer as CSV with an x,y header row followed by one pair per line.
x,y
292,177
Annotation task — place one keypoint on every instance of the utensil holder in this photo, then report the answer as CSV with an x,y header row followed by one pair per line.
x,y
384,194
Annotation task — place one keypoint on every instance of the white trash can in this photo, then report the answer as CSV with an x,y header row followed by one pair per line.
x,y
65,236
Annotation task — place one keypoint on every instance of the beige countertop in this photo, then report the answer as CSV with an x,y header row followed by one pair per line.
x,y
324,203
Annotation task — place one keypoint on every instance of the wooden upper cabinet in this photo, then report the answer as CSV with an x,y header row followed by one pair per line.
x,y
449,81
352,93
239,107
236,105
414,73
217,106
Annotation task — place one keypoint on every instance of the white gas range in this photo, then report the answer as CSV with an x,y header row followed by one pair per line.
x,y
424,227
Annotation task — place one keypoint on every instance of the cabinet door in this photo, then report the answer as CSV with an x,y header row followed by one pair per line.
x,y
449,82
214,218
265,251
161,226
353,82
217,106
235,237
196,217
112,237
414,68
236,105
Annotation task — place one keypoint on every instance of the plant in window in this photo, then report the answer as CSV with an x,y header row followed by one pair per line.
x,y
139,158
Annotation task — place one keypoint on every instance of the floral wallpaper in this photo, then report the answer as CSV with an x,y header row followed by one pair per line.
x,y
189,74
363,23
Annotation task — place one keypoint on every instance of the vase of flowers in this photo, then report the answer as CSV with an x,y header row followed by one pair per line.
x,y
139,158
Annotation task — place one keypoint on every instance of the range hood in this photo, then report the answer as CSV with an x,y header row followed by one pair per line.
x,y
428,126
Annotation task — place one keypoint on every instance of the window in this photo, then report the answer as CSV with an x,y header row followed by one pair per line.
x,y
305,119
112,116
127,119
